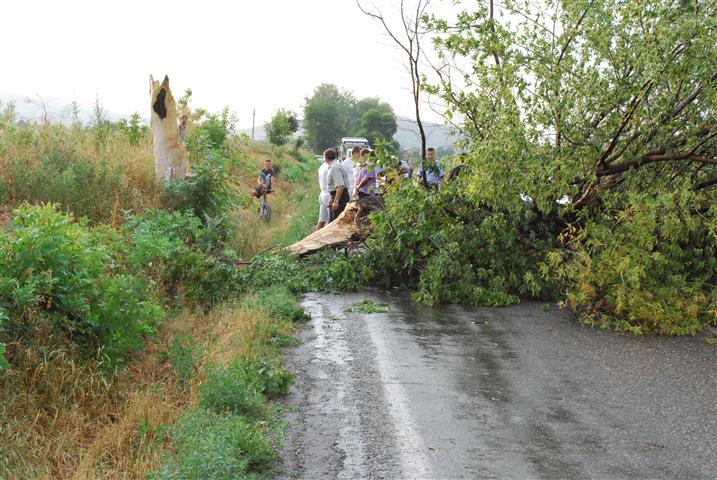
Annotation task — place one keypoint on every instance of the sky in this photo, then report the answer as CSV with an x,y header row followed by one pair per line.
x,y
262,55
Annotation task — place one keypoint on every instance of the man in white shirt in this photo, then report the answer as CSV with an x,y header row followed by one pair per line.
x,y
350,163
324,196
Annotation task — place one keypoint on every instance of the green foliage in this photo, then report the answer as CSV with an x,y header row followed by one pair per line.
x,y
594,119
227,389
330,114
99,124
211,134
279,269
280,304
181,354
238,387
650,267
3,319
57,269
178,252
281,127
207,193
326,116
374,120
453,251
368,306
211,446
133,130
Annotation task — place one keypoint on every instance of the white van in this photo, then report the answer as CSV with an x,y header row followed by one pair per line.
x,y
348,143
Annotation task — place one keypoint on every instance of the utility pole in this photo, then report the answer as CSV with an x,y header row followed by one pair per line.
x,y
253,117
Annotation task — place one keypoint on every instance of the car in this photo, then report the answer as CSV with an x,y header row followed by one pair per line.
x,y
320,158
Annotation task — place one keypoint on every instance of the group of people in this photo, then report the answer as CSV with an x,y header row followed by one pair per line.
x,y
354,178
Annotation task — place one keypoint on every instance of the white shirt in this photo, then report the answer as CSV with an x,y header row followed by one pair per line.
x,y
324,196
323,177
348,164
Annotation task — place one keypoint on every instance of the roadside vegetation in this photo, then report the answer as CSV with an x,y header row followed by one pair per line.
x,y
138,336
590,171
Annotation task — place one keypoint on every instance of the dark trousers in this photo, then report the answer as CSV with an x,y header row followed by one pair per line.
x,y
343,200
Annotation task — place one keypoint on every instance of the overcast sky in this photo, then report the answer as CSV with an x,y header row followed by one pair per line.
x,y
264,54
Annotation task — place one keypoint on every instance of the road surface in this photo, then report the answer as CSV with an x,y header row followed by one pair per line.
x,y
456,392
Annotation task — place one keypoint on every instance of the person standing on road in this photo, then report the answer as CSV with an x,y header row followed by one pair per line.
x,y
350,163
337,183
324,196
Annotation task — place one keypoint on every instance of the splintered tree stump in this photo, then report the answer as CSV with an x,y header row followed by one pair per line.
x,y
353,224
170,156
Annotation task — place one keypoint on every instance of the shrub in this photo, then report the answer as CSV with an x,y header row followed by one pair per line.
x,y
213,446
207,193
280,304
648,267
58,269
123,316
238,387
229,389
452,250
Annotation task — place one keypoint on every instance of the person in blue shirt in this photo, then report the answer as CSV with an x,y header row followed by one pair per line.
x,y
434,171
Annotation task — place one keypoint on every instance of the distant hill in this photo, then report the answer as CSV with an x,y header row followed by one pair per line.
x,y
437,136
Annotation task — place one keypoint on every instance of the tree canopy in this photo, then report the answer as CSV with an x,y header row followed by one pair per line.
x,y
590,135
331,113
281,127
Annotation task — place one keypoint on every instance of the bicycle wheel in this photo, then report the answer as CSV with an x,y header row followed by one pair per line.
x,y
265,211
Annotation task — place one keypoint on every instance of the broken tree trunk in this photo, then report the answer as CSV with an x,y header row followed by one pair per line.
x,y
170,156
353,224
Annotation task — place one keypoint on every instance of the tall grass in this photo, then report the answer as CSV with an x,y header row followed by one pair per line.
x,y
64,413
78,422
70,167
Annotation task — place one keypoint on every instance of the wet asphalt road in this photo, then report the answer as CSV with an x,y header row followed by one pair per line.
x,y
457,392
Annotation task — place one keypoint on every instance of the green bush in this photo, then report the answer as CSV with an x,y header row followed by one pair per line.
x,y
452,250
213,446
207,193
280,303
58,269
179,253
227,389
648,267
181,354
238,387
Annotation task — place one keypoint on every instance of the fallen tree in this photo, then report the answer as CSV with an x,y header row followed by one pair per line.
x,y
352,225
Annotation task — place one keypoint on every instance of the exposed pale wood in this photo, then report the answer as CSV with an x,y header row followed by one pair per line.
x,y
170,156
352,224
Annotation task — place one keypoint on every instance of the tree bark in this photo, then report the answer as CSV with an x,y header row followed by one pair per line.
x,y
170,156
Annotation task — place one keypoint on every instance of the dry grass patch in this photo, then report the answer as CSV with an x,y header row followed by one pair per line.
x,y
62,419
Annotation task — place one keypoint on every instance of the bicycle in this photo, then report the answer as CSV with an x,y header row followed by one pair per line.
x,y
264,207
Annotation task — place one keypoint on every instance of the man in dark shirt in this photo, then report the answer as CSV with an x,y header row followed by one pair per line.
x,y
265,180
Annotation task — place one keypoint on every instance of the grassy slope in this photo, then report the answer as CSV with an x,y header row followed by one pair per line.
x,y
61,417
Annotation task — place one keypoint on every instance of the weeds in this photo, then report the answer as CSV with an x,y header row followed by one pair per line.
x,y
214,446
368,306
